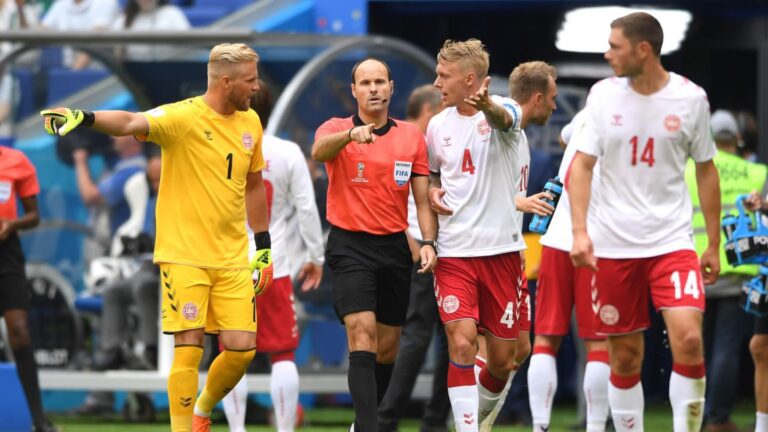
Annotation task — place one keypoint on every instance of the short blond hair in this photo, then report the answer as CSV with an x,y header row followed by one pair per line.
x,y
226,54
530,77
470,52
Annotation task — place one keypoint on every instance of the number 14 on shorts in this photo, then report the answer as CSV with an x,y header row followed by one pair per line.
x,y
689,288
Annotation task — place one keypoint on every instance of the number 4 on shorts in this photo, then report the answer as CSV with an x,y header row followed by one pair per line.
x,y
509,315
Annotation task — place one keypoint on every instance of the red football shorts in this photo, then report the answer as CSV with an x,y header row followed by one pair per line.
x,y
560,288
484,289
624,286
524,305
277,329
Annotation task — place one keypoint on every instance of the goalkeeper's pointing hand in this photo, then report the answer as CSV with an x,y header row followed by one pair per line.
x,y
61,121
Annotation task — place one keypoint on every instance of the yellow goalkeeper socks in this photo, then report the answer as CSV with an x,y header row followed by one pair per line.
x,y
225,372
182,386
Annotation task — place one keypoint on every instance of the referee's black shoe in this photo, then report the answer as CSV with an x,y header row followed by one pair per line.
x,y
47,426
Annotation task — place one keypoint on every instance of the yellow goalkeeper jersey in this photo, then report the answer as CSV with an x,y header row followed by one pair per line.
x,y
206,157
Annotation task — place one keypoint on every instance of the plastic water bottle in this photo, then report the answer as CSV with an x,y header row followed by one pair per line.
x,y
539,224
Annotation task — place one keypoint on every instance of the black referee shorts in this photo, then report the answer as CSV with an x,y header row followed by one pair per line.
x,y
370,273
14,289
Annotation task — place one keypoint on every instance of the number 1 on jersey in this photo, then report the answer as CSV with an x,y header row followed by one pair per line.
x,y
466,163
229,166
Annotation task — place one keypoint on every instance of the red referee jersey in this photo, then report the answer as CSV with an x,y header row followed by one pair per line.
x,y
368,184
17,179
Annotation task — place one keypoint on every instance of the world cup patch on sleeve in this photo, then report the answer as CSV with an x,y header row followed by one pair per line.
x,y
402,172
5,191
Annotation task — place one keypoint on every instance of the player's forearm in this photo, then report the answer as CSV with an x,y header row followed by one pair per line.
x,y
580,189
256,203
426,217
327,147
497,117
434,181
708,182
120,123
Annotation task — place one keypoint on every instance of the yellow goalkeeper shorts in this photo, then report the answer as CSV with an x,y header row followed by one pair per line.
x,y
213,299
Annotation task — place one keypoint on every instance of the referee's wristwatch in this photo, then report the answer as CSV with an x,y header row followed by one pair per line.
x,y
432,243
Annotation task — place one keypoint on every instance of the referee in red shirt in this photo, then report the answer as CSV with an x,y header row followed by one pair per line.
x,y
18,181
371,159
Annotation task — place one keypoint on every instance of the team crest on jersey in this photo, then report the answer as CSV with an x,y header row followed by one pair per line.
x,y
672,123
609,315
247,140
402,172
483,128
189,311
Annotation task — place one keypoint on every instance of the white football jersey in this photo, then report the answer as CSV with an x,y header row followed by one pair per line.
x,y
480,170
643,143
560,234
290,195
521,185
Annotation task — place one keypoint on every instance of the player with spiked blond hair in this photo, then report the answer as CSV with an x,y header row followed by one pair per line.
x,y
212,163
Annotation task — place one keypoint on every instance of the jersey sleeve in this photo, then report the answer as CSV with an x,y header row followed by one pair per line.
x,y
27,184
514,109
421,163
587,136
257,158
434,162
329,127
168,123
702,144
303,197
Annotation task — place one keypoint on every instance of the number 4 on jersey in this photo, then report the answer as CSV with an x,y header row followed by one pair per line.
x,y
466,163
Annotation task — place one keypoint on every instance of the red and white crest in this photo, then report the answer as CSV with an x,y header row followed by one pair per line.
x,y
247,140
672,123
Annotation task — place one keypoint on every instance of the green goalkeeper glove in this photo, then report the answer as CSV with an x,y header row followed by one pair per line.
x,y
61,121
261,264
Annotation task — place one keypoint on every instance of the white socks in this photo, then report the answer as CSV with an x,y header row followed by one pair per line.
x,y
234,406
284,389
761,423
542,385
627,403
596,394
686,395
464,402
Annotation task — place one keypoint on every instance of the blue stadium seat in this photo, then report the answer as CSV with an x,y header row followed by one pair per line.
x,y
25,79
201,16
65,82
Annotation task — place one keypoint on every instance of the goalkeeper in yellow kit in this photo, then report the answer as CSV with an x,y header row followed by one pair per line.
x,y
211,176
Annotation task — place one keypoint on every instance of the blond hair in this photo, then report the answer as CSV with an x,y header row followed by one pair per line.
x,y
226,54
530,77
470,53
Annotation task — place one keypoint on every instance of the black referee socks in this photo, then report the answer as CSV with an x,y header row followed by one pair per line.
x,y
362,380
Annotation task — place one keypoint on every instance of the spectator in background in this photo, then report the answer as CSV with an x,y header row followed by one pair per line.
x,y
80,15
147,15
18,181
14,15
140,289
726,327
109,190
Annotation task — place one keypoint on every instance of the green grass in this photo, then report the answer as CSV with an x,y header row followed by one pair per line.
x,y
658,418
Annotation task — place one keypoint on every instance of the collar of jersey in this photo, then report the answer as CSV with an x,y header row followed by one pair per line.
x,y
357,121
